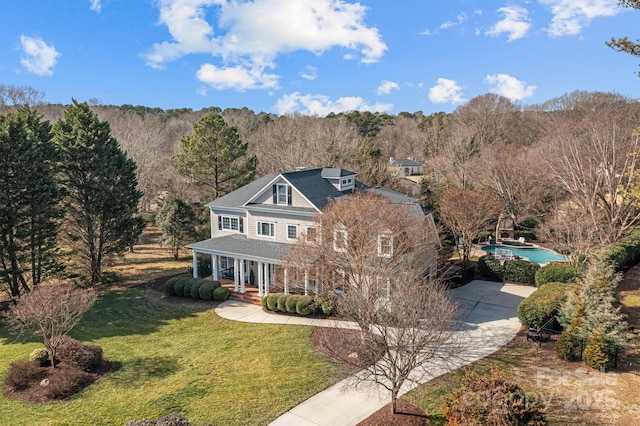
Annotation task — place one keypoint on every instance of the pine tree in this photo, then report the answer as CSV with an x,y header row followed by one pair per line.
x,y
101,194
215,157
29,200
177,221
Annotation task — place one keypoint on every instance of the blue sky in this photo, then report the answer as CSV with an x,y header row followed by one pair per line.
x,y
315,56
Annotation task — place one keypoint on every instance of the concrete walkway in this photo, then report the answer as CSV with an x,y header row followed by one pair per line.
x,y
488,321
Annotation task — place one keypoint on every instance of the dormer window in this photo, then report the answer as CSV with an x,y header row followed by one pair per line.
x,y
282,194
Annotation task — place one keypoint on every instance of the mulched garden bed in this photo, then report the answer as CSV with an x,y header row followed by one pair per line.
x,y
66,380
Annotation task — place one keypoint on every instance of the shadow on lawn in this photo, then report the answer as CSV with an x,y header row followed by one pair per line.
x,y
134,311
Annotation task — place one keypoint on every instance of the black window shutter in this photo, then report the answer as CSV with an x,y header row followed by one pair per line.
x,y
240,225
289,194
275,194
219,222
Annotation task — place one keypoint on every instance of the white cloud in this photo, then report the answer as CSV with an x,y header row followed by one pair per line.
x,y
571,16
251,34
236,77
387,86
39,57
309,73
459,21
321,105
515,22
509,87
96,6
446,91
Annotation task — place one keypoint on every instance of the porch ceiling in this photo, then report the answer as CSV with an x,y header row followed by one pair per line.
x,y
242,247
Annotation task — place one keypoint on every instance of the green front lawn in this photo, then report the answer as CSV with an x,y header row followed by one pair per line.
x,y
176,355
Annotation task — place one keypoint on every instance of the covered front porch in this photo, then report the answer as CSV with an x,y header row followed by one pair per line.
x,y
246,264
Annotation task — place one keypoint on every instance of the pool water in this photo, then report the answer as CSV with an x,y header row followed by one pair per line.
x,y
534,254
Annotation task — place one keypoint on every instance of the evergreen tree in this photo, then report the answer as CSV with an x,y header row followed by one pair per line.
x,y
177,221
101,194
215,157
29,200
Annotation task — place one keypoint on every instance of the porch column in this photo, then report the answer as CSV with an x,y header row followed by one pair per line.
x,y
195,264
286,281
260,278
214,266
242,274
317,289
236,273
267,280
306,283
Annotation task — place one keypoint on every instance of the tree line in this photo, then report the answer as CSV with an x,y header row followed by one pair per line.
x,y
68,199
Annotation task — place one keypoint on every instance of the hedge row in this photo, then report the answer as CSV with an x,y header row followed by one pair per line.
x,y
543,304
557,273
520,271
625,253
298,304
197,288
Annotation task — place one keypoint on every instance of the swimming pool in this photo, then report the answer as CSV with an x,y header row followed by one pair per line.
x,y
534,254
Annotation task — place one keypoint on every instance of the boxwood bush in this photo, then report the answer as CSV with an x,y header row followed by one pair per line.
x,y
490,268
520,271
169,286
543,304
290,303
178,287
221,294
304,305
207,288
558,273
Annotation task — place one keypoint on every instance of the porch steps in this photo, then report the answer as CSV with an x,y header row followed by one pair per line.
x,y
249,296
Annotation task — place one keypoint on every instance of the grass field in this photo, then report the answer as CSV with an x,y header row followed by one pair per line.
x,y
177,355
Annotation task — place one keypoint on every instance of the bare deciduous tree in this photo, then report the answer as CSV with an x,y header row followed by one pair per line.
x,y
50,311
467,212
378,257
597,170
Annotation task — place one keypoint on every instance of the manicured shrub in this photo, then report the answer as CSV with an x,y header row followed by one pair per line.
x,y
615,254
186,290
304,305
65,382
290,303
78,355
195,288
328,307
109,277
40,356
520,271
281,302
557,272
271,302
169,287
21,373
490,268
181,281
263,301
543,304
596,353
221,294
491,400
207,288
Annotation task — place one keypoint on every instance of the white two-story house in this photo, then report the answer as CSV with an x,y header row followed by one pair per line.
x,y
253,226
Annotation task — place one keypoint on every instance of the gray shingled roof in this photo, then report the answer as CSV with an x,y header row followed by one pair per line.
x,y
398,198
241,246
313,186
405,162
241,195
335,173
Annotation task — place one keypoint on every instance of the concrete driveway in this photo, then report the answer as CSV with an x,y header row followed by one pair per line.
x,y
487,322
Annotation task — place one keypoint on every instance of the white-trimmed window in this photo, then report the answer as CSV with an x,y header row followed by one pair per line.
x,y
385,246
230,223
265,229
283,194
292,232
340,237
